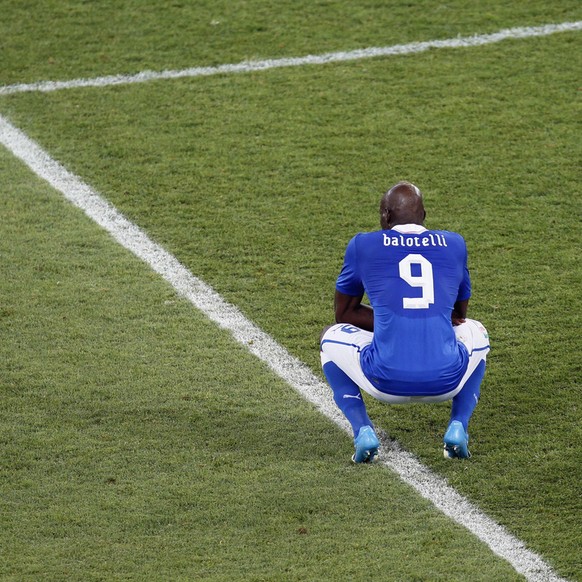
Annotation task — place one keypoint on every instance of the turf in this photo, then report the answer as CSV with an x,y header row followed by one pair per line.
x,y
135,447
74,38
256,182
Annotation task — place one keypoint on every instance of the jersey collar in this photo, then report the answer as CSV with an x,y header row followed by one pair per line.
x,y
409,228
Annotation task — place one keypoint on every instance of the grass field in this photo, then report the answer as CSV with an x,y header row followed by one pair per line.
x,y
140,441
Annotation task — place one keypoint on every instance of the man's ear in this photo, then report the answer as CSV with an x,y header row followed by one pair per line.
x,y
385,218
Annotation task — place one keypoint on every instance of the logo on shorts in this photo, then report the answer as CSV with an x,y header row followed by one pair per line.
x,y
350,329
483,331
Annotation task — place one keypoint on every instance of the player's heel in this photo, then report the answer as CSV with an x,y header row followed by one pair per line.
x,y
366,444
456,442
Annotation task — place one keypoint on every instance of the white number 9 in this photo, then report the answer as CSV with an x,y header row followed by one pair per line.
x,y
424,280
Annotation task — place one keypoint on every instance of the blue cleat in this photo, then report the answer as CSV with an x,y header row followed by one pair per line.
x,y
456,442
367,444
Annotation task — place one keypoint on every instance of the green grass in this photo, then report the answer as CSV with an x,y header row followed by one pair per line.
x,y
73,38
131,450
139,442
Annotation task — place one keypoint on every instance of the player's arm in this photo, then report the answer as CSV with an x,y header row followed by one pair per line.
x,y
460,312
349,309
460,307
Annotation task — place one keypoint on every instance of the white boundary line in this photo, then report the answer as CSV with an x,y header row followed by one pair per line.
x,y
249,66
289,368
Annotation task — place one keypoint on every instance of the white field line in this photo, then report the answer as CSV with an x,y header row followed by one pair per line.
x,y
248,66
294,372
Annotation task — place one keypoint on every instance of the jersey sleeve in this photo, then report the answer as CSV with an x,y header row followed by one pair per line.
x,y
349,281
465,286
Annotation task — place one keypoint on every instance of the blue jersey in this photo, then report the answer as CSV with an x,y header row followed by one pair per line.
x,y
412,277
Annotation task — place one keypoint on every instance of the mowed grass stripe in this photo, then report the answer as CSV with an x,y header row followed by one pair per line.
x,y
250,66
268,350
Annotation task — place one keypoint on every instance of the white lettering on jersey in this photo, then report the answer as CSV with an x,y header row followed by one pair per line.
x,y
427,240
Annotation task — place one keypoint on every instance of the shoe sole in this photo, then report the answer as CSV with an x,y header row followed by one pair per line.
x,y
455,452
371,456
367,444
458,441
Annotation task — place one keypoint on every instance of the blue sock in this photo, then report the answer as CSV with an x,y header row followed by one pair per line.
x,y
465,401
347,396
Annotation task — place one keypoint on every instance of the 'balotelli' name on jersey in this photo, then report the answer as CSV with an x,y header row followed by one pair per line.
x,y
412,277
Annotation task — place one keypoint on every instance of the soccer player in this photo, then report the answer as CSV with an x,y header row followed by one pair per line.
x,y
413,342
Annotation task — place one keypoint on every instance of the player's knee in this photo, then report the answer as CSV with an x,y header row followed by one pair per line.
x,y
325,329
480,327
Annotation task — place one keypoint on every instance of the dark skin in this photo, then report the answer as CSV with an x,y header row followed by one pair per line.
x,y
402,204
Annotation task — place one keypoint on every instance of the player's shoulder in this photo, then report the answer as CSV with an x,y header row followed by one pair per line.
x,y
362,243
367,241
364,237
451,237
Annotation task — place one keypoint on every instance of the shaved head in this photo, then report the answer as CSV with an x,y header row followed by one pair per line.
x,y
402,204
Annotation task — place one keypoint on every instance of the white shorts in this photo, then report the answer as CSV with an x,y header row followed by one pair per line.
x,y
346,355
